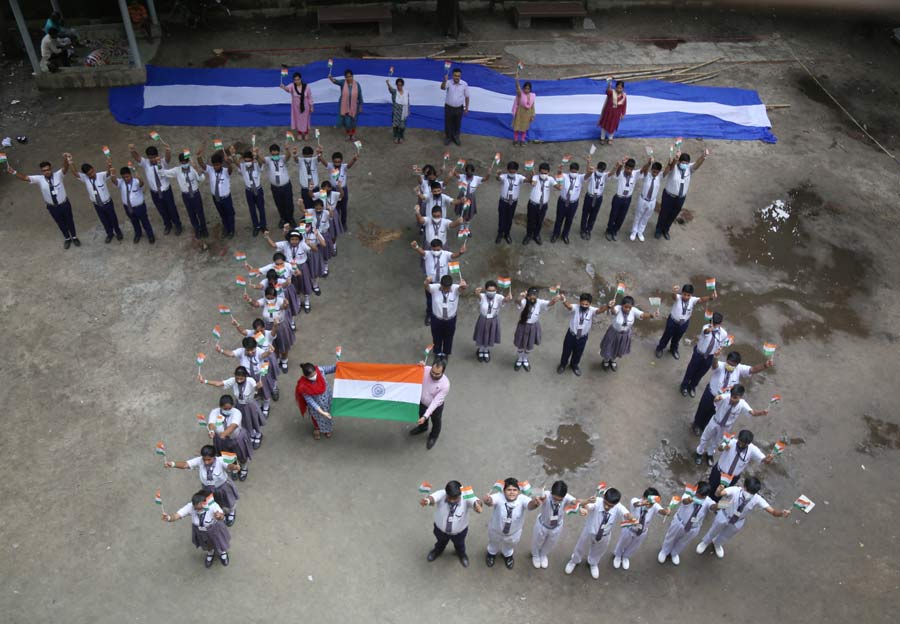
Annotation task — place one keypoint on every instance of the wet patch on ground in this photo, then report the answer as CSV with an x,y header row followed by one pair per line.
x,y
882,434
375,237
570,450
670,467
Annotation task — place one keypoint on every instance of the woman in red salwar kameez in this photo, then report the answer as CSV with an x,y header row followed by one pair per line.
x,y
613,110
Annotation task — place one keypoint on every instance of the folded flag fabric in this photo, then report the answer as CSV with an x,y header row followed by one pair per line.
x,y
468,493
217,144
209,501
240,280
710,284
425,487
725,479
200,359
498,486
804,504
571,509
160,449
525,488
601,488
689,490
106,151
240,256
377,391
201,420
779,447
707,315
158,500
338,352
776,398
454,268
155,135
674,502
504,282
217,332
224,310
629,523
529,165
769,349
228,457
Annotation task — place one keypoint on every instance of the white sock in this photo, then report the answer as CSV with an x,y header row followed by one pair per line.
x,y
265,404
306,299
520,356
211,553
325,266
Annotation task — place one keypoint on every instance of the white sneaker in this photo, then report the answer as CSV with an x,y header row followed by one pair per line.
x,y
595,571
661,557
617,562
625,563
631,237
640,237
536,562
545,562
720,552
570,567
676,560
701,548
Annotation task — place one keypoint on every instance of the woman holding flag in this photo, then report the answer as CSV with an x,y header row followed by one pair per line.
x,y
313,395
399,108
207,530
351,102
243,387
213,472
301,103
487,327
522,111
617,340
613,110
227,434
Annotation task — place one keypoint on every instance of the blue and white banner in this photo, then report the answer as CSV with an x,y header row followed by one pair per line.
x,y
567,110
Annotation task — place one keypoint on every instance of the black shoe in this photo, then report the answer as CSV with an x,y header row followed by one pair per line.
x,y
317,291
577,371
418,429
613,366
696,430
427,319
489,560
614,237
204,233
508,240
657,235
554,238
137,239
487,357
242,475
430,443
709,461
676,355
178,230
666,235
526,366
692,392
517,366
525,240
509,561
609,237
456,140
698,458
464,560
588,234
276,394
432,555
151,238
537,239
582,235
229,235
498,239
306,308
224,559
684,392
209,560
283,367
255,232
255,443
229,519
605,364
68,244
76,242
119,236
565,239
167,230
658,353
446,141
560,369
108,238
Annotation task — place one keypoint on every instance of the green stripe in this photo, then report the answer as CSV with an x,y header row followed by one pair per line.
x,y
379,410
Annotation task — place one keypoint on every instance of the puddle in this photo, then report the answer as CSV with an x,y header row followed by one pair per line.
x,y
882,435
820,281
569,451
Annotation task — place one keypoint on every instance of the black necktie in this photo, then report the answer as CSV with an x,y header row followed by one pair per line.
x,y
277,176
582,314
250,171
445,295
652,184
218,180
201,517
437,269
509,189
53,192
569,192
156,178
96,193
308,170
554,516
640,528
602,525
209,471
507,524
734,462
128,194
252,363
712,342
721,422
742,502
681,186
450,513
187,178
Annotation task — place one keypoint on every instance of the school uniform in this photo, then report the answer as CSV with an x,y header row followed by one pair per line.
x,y
711,340
443,317
238,442
189,182
436,229
161,193
437,265
487,327
577,336
596,184
282,190
721,422
135,207
720,381
336,229
253,361
596,533
322,224
677,323
245,400
631,538
442,201
297,256
505,525
339,180
684,526
617,339
567,204
625,184
528,333
468,192
283,288
729,520
271,313
220,187
451,522
537,206
308,175
510,186
548,526
214,478
207,532
98,192
677,184
54,193
733,461
253,191
646,202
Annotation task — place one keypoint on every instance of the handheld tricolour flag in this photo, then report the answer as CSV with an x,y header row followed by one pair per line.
x,y
454,268
217,333
626,524
601,488
460,163
201,420
504,282
467,491
554,290
520,66
446,66
335,175
330,65
776,398
391,70
725,479
525,488
593,150
217,144
228,458
674,502
289,136
241,281
620,288
497,158
566,159
200,359
186,153
804,504
678,143
338,352
498,486
106,151
161,449
155,135
727,437
710,284
769,349
284,71
240,256
425,487
529,165
263,368
224,310
207,503
689,490
707,315
428,351
728,341
158,500
357,145
318,134
655,302
571,509
779,447
3,159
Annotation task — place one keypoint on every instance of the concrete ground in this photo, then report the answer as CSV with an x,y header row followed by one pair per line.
x,y
100,356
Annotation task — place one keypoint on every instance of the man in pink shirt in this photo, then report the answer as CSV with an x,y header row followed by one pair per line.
x,y
435,386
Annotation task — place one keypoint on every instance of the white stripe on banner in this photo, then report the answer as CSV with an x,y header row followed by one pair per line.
x,y
377,390
428,93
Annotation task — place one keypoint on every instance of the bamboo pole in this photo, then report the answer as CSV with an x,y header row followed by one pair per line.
x,y
701,78
698,66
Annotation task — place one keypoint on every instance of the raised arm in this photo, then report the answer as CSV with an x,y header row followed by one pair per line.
x,y
416,248
134,153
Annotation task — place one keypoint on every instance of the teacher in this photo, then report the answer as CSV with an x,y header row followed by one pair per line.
x,y
351,102
455,106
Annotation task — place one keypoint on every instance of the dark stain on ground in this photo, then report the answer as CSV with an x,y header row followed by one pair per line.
x,y
570,450
683,468
814,92
667,44
882,435
220,60
824,281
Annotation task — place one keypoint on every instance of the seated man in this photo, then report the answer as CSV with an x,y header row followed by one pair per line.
x,y
56,51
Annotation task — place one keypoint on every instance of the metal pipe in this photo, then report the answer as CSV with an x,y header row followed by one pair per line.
x,y
129,32
151,7
26,38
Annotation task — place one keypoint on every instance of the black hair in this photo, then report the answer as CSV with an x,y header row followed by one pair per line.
x,y
240,370
544,166
526,311
439,363
656,166
294,233
183,158
456,70
601,166
446,281
278,256
217,158
307,151
752,484
738,391
86,167
348,72
512,165
684,158
270,290
44,163
574,166
400,81
651,491
452,489
734,356
437,208
630,162
627,300
688,288
318,203
745,436
427,170
526,84
124,170
436,242
151,151
207,450
620,82
247,154
434,184
508,481
275,147
249,342
717,318
258,323
703,489
612,496
53,32
296,75
559,488
586,297
490,283
308,368
337,155
272,276
226,399
199,497
469,168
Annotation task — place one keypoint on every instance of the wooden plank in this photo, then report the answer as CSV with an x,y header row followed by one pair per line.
x,y
354,15
550,9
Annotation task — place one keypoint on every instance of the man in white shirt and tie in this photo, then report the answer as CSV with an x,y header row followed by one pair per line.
x,y
219,174
456,105
55,198
160,188
444,306
650,178
679,172
95,183
451,519
567,203
679,318
131,188
595,183
583,318
189,181
626,181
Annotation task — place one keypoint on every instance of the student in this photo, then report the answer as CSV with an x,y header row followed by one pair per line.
x,y
436,263
510,185
685,525
351,103
437,227
332,199
650,180
522,111
444,305
436,198
528,329
584,315
207,529
469,183
321,232
213,473
338,170
451,520
549,524
738,453
219,174
487,327
189,182
272,310
426,176
296,252
227,434
616,341
280,183
677,184
712,338
95,183
729,407
283,288
613,110
301,105
435,388
736,505
602,517
596,184
160,188
507,520
399,108
244,389
313,394
567,202
131,188
253,190
680,318
537,203
631,538
625,183
55,198
456,104
308,173
251,355
725,375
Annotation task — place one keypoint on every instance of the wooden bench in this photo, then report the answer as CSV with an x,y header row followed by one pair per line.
x,y
525,11
361,14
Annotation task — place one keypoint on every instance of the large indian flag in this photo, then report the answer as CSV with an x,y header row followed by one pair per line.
x,y
382,391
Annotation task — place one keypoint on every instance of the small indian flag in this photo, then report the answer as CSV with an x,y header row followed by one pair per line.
x,y
3,158
323,195
728,341
200,359
461,162
727,437
462,186
498,486
625,524
653,500
106,151
446,66
725,479
620,288
308,218
769,349
220,418
804,504
228,458
253,140
335,174
217,144
391,70
504,282
240,256
525,488
186,152
497,158
689,490
463,231
357,145
566,159
571,509
601,488
779,447
155,135
776,398
263,368
161,449
425,487
338,352
428,350
224,310
454,268
330,63
554,290
446,156
289,136
377,391
707,315
209,501
467,491
284,72
655,302
158,499
317,134
240,280
520,66
560,178
201,420
678,142
674,502
710,284
217,332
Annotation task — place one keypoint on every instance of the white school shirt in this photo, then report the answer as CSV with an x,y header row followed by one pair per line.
x,y
539,306
551,514
681,310
425,185
625,184
510,185
595,518
437,265
596,183
471,184
132,192
443,200
636,511
733,461
241,395
459,520
277,171
55,182
723,381
222,177
308,171
708,344
686,517
297,254
648,179
571,186
342,175
436,230
581,321
250,362
263,338
250,173
188,182
203,519
507,513
322,220
100,195
444,305
739,499
234,417
679,181
726,413
271,310
621,321
151,170
489,308
219,472
540,190
284,272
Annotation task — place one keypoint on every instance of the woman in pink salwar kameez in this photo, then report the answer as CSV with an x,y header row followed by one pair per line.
x,y
301,105
613,110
